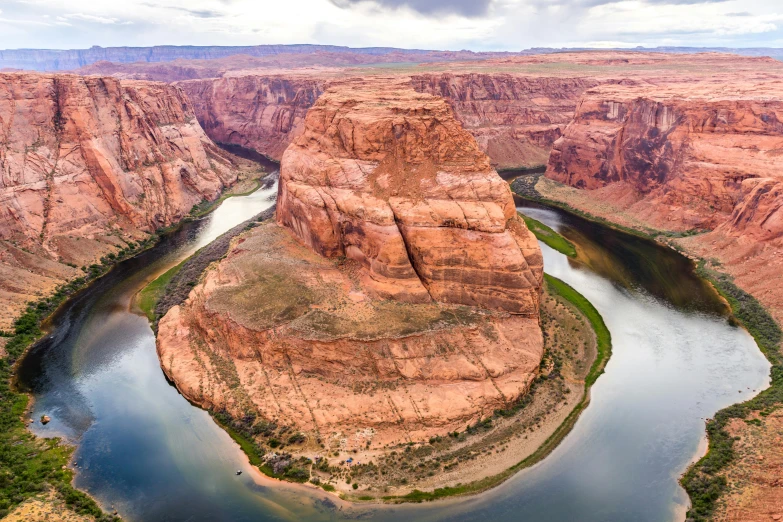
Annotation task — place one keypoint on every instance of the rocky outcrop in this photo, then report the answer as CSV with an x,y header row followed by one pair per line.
x,y
277,331
515,119
388,177
87,164
392,222
686,154
263,113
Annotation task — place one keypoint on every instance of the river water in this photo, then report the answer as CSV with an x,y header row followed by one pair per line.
x,y
144,450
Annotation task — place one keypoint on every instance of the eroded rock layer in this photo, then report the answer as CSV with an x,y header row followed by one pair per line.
x,y
683,156
387,177
281,332
262,113
515,119
86,163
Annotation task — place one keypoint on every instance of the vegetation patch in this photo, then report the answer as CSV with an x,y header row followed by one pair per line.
x,y
151,294
603,337
549,237
30,465
703,480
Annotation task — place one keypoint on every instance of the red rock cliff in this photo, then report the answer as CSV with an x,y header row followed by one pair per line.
x,y
85,162
257,112
687,154
515,119
387,176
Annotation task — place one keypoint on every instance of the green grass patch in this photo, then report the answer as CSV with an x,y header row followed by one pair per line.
x,y
549,237
602,334
151,294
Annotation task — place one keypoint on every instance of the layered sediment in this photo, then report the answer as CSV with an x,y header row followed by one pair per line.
x,y
263,113
687,157
397,278
515,119
686,154
88,165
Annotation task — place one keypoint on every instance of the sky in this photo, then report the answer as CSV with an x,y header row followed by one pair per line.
x,y
479,25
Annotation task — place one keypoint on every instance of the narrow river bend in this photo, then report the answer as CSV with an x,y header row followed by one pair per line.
x,y
144,450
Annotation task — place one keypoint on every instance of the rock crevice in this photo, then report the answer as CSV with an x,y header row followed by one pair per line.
x,y
387,177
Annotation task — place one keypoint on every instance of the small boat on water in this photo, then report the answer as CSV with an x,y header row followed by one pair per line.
x,y
239,472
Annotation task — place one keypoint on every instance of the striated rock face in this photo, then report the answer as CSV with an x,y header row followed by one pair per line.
x,y
686,155
388,177
392,221
515,119
263,113
86,163
280,331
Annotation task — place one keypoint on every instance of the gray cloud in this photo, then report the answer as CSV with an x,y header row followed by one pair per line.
x,y
469,8
198,13
595,3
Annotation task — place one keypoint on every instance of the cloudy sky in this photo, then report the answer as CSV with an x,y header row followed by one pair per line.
x,y
432,24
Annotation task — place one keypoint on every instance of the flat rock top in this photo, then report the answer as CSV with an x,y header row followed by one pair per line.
x,y
372,119
716,88
269,279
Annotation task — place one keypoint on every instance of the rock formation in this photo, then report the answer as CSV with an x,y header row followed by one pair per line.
x,y
387,177
263,113
86,163
515,119
684,155
349,320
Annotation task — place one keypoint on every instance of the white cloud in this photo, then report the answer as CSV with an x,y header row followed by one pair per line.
x,y
503,25
92,18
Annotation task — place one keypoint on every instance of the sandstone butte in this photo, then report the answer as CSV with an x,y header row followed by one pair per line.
x,y
86,165
400,290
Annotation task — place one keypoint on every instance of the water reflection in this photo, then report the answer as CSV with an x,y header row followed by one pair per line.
x,y
143,449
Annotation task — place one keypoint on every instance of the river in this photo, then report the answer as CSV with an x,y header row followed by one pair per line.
x,y
142,449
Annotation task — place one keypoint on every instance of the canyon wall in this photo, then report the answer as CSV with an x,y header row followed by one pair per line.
x,y
263,113
387,176
397,277
690,156
87,164
684,156
515,119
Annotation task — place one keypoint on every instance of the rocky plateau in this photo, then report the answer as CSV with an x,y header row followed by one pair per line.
x,y
397,277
